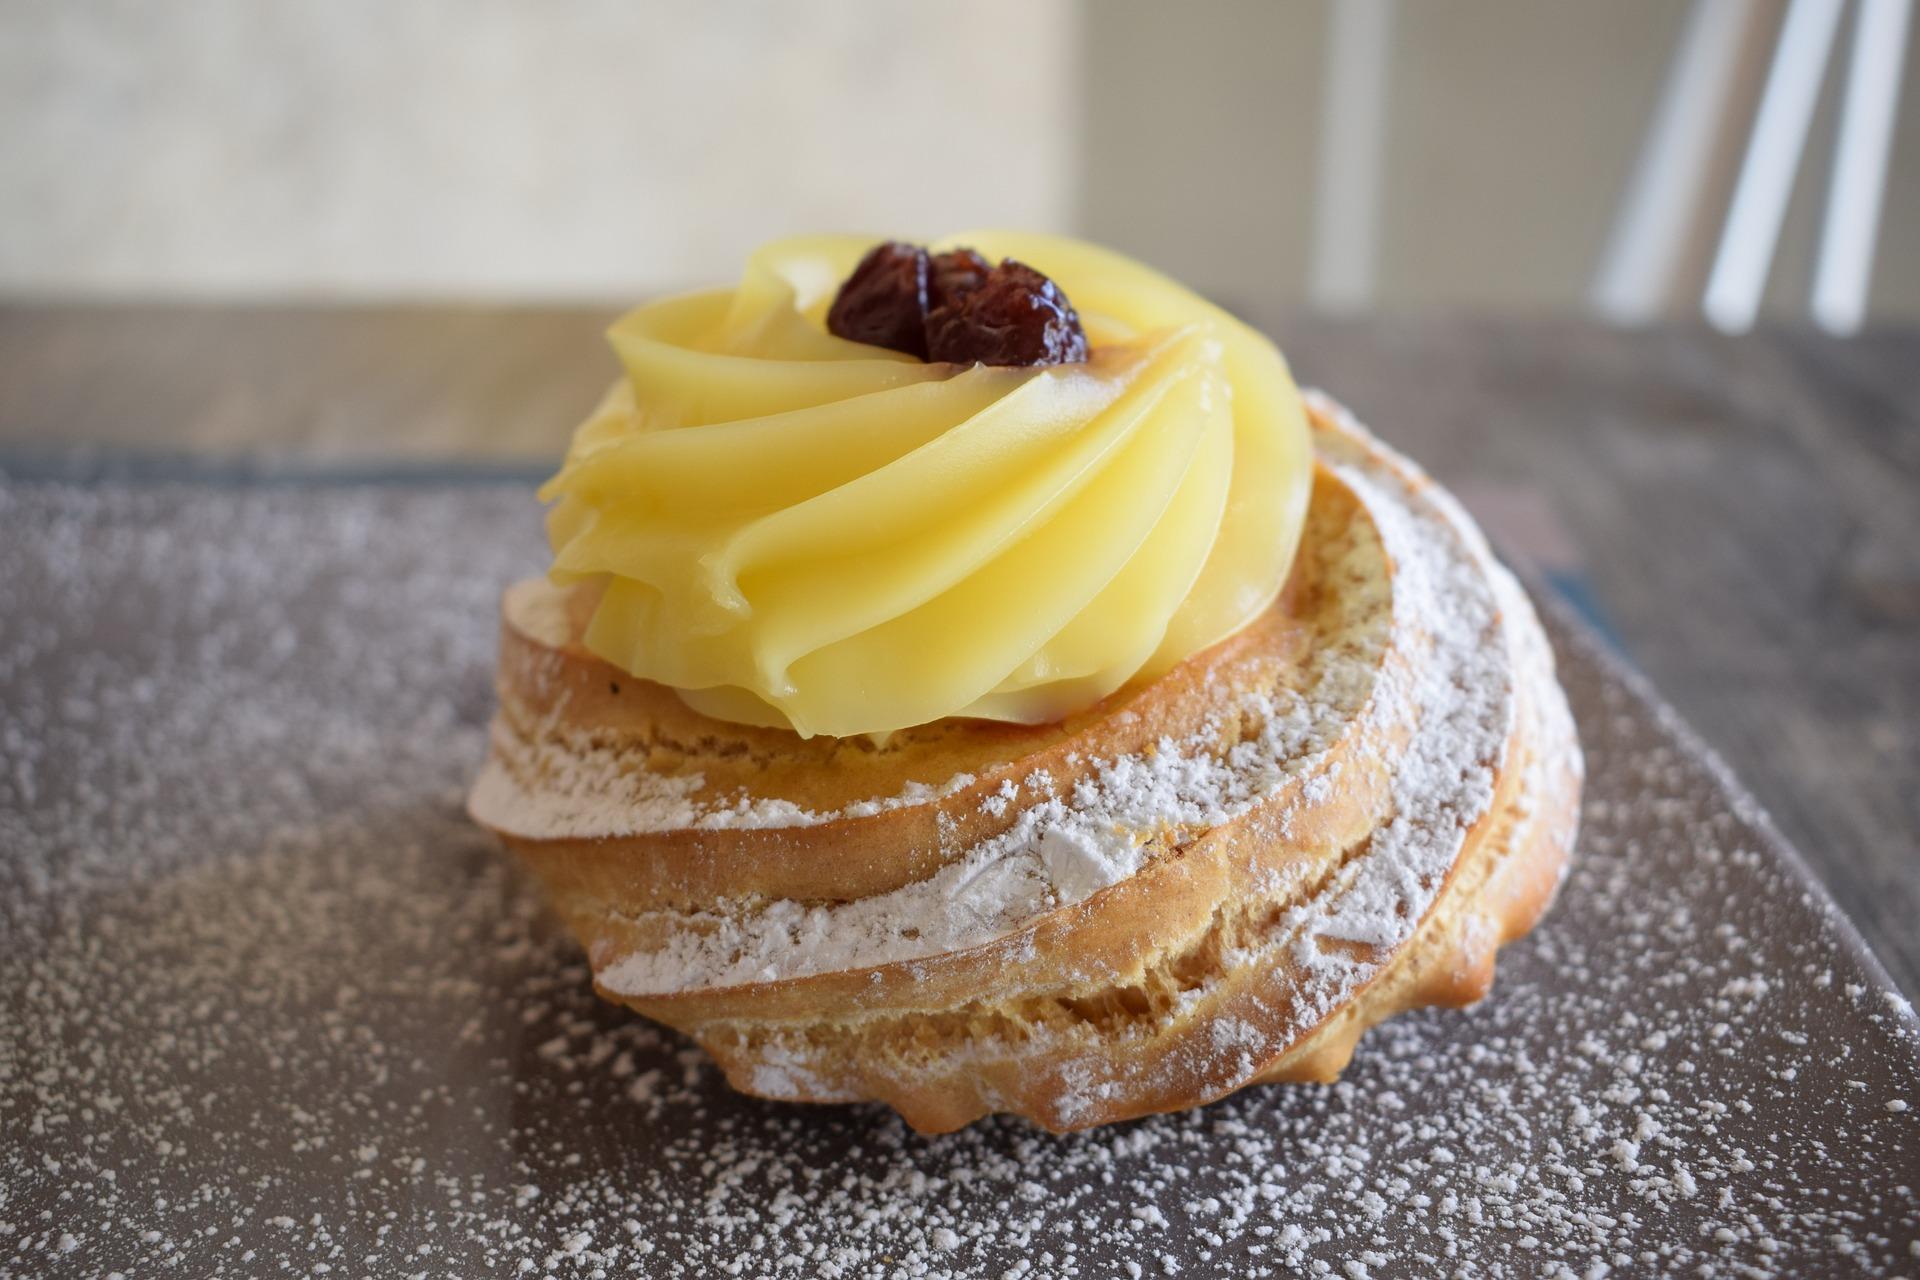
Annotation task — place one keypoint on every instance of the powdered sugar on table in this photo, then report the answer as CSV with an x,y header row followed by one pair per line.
x,y
270,1005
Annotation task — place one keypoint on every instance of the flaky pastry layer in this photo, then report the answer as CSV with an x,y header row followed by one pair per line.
x,y
1217,879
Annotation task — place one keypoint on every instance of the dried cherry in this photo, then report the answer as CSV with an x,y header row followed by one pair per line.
x,y
953,275
1016,316
884,302
957,307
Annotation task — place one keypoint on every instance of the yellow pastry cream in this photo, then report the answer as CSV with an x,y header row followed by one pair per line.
x,y
789,528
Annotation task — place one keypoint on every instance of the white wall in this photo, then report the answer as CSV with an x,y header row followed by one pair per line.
x,y
598,147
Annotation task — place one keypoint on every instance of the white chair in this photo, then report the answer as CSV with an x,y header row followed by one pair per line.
x,y
1668,198
1696,104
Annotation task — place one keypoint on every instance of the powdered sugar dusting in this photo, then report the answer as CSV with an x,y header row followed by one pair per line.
x,y
1060,849
270,1005
558,780
554,785
1432,652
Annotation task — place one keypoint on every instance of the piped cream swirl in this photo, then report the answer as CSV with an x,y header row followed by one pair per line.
x,y
792,529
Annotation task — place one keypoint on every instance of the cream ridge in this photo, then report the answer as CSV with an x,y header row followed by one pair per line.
x,y
794,530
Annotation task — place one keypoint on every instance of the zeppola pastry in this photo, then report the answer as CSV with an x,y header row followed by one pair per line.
x,y
975,678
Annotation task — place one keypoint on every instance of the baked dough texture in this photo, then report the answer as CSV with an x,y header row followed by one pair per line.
x,y
1215,879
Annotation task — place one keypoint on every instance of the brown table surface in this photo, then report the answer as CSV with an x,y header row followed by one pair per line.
x,y
1741,514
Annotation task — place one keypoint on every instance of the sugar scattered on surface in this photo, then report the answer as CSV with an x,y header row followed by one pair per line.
x,y
250,937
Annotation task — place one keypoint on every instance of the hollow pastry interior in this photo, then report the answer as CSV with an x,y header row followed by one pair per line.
x,y
1215,879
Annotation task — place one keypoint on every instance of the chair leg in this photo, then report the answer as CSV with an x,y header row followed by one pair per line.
x,y
1740,268
1353,142
1863,143
1664,207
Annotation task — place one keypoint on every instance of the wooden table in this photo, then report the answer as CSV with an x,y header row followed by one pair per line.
x,y
1742,514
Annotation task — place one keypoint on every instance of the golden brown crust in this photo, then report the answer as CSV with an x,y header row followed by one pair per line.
x,y
1196,974
545,686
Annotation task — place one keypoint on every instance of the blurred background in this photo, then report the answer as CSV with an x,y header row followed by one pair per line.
x,y
1545,155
